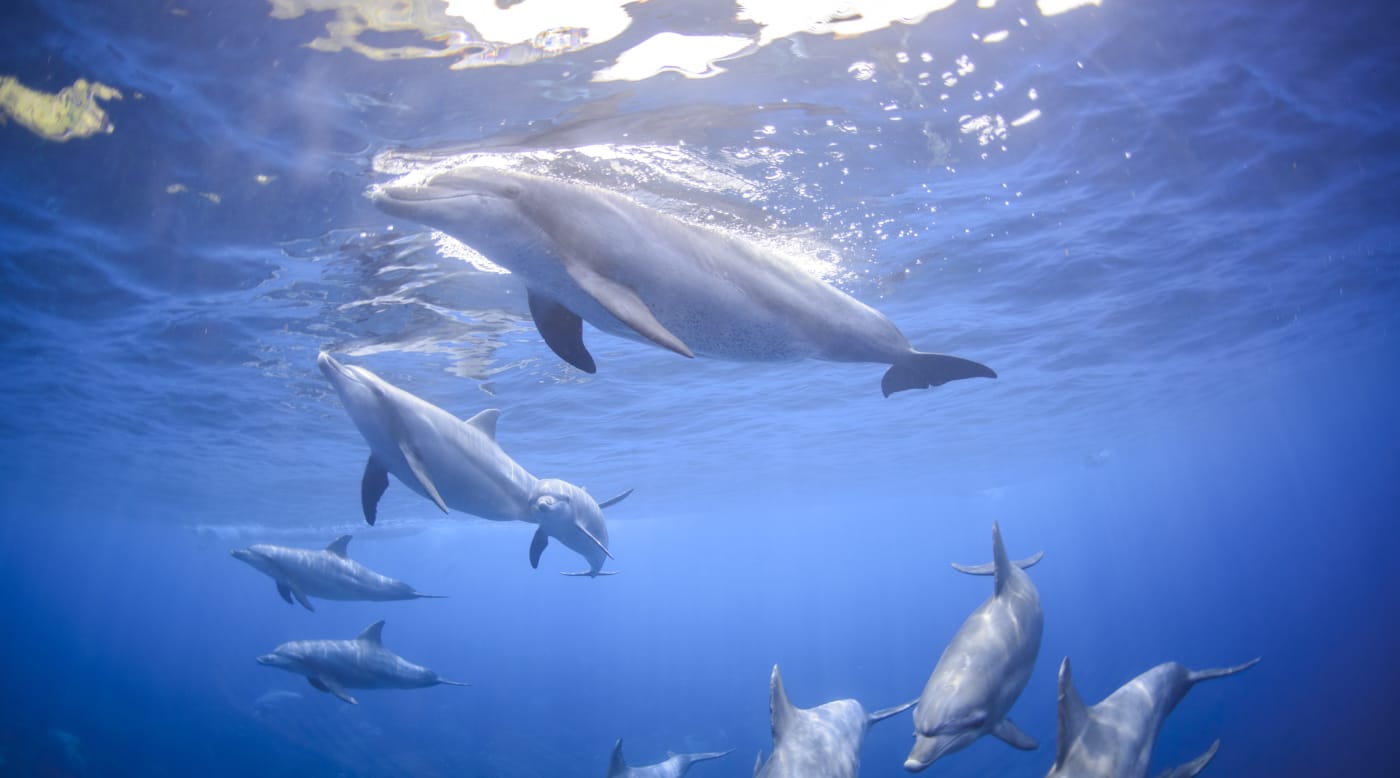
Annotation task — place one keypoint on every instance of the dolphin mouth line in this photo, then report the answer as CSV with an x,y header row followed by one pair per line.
x,y
417,194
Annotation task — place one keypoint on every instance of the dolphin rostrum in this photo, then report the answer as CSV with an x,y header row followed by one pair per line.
x,y
674,766
327,573
820,742
984,668
584,253
1114,738
363,663
459,465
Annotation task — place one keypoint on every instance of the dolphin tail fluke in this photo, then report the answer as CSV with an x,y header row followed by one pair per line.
x,y
1196,676
919,370
881,715
1195,766
991,567
590,573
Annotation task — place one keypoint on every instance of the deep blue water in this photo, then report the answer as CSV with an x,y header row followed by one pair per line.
x,y
1185,270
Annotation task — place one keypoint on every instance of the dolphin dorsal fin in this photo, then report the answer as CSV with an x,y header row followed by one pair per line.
x,y
338,545
616,765
372,633
485,421
781,710
1000,560
1073,714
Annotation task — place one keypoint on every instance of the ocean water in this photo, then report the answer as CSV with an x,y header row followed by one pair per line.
x,y
1170,227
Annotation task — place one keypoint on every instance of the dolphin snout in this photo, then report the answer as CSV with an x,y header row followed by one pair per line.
x,y
240,553
267,659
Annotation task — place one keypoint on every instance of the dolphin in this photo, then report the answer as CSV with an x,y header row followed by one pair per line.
x,y
984,668
675,765
820,742
1114,738
588,254
363,663
458,464
327,573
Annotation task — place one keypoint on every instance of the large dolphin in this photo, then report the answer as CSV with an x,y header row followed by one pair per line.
x,y
458,464
820,742
588,254
675,765
984,668
1114,738
327,573
363,663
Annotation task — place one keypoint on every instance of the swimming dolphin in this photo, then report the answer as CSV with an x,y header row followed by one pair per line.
x,y
327,573
820,742
675,765
459,465
1114,738
588,254
984,668
363,663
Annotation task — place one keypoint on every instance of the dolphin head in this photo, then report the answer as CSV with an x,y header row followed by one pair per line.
x,y
571,515
552,502
285,657
481,205
257,555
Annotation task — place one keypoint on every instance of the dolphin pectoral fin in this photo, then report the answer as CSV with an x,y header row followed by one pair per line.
x,y
372,486
301,598
881,715
589,573
285,591
596,541
622,302
420,472
1195,766
918,370
971,721
537,544
615,500
562,330
991,567
334,687
1013,736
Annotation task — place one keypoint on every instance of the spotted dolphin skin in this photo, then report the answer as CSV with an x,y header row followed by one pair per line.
x,y
820,742
459,465
328,573
589,254
363,663
1114,738
674,766
984,668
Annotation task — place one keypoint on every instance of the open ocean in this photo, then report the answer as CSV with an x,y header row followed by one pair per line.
x,y
1172,228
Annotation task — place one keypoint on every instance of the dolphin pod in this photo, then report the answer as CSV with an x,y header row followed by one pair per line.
x,y
458,464
1114,738
820,742
328,573
674,766
984,668
362,663
585,253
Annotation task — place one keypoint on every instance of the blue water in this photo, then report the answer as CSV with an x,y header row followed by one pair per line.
x,y
1186,270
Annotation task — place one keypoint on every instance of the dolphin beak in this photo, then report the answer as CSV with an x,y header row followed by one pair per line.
x,y
240,553
267,659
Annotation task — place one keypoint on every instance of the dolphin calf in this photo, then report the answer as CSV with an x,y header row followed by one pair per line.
x,y
675,765
363,663
458,464
984,668
327,573
820,742
588,254
1114,738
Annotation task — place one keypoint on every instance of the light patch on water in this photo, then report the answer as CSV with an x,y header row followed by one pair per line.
x,y
1057,7
843,18
693,56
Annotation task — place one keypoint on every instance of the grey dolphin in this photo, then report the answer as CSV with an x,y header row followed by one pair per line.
x,y
363,663
1114,738
588,254
984,668
675,765
458,464
820,742
327,573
